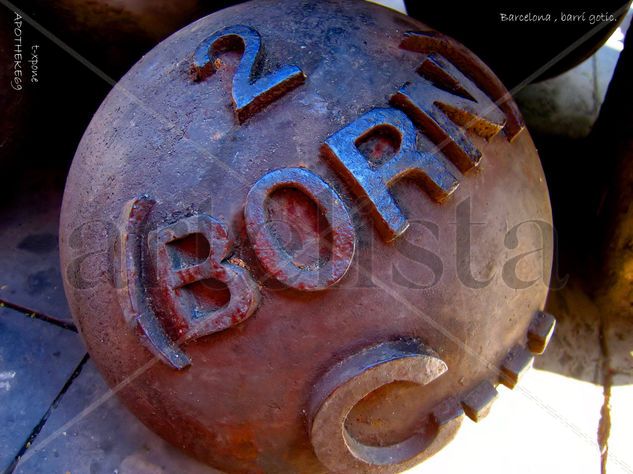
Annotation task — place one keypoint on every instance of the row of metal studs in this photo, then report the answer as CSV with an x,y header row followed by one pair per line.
x,y
476,403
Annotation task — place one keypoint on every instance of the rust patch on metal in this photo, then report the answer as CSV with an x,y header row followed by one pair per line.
x,y
268,249
428,42
249,94
185,290
131,295
372,183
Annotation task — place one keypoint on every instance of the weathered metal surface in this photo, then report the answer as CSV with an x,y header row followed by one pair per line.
x,y
341,229
351,380
248,96
294,273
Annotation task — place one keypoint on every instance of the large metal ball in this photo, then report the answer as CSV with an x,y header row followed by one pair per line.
x,y
302,236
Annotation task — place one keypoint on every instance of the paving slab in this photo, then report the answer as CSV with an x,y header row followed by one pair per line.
x,y
36,360
30,276
107,440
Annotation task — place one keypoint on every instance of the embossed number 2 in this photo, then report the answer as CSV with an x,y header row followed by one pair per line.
x,y
249,96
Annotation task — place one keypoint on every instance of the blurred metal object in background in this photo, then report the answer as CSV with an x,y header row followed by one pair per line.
x,y
68,55
114,34
518,48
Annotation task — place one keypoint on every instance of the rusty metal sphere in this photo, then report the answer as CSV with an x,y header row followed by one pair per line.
x,y
308,236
